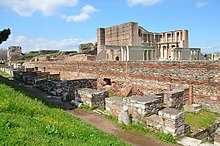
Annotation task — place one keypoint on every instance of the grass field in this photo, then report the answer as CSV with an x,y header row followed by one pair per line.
x,y
200,120
24,120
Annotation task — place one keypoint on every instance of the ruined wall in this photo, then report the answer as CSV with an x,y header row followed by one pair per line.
x,y
149,77
14,53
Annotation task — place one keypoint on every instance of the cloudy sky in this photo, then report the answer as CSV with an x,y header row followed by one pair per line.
x,y
64,24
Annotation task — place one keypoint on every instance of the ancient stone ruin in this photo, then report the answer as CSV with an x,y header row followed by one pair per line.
x,y
154,92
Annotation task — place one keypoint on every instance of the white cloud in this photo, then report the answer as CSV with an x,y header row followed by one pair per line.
x,y
46,7
209,46
201,3
43,43
143,2
84,15
89,9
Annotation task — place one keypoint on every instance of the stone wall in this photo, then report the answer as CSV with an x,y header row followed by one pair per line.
x,y
148,77
168,120
14,53
114,105
92,97
66,90
173,99
208,133
143,106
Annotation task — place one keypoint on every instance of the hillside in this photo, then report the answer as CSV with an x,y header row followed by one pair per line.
x,y
27,121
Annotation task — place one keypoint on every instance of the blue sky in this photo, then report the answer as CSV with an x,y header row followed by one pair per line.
x,y
64,24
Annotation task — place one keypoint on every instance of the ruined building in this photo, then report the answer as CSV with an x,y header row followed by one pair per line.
x,y
14,55
129,41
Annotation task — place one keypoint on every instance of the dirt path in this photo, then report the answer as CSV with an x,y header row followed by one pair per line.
x,y
108,126
95,119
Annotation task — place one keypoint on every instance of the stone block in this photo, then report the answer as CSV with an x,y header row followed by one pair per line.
x,y
155,122
192,108
216,143
114,105
143,106
123,116
93,97
171,113
173,98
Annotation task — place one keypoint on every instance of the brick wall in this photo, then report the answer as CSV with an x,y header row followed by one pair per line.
x,y
149,77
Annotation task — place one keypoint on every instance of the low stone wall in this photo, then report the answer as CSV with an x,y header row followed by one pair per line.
x,y
208,133
147,76
173,99
168,120
67,90
142,106
57,88
92,97
138,106
30,77
114,105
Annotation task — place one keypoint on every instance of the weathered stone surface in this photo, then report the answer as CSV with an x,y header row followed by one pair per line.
x,y
192,108
123,116
168,121
174,98
114,105
210,132
149,77
155,122
188,141
170,113
173,121
76,103
217,137
142,106
93,97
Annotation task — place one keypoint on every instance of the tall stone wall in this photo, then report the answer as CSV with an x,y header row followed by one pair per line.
x,y
149,77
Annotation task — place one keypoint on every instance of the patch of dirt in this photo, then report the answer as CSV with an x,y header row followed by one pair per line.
x,y
108,126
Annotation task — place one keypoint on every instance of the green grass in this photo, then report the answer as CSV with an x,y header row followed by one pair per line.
x,y
4,74
134,128
110,94
87,107
168,138
200,120
24,120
